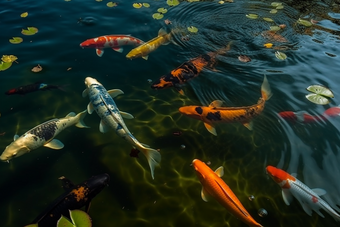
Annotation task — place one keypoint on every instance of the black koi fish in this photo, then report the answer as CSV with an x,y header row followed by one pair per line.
x,y
75,197
32,88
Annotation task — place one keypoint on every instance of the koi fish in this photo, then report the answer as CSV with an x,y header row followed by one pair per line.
x,y
75,197
32,88
110,41
214,113
308,198
102,102
42,135
303,117
146,48
213,186
188,70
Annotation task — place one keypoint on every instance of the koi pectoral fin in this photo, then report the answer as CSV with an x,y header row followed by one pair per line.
x,y
205,195
287,196
118,49
145,57
54,144
249,125
210,128
99,52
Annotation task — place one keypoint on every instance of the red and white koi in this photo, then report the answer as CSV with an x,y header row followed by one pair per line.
x,y
308,198
111,41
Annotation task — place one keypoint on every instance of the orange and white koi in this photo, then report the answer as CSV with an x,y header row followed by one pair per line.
x,y
146,48
308,198
214,113
110,41
213,186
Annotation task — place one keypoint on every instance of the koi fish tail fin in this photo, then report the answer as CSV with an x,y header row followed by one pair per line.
x,y
153,157
265,89
80,117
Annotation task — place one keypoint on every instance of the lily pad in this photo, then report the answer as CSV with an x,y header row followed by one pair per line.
x,y
25,14
252,16
172,2
137,5
279,7
273,11
78,218
29,31
111,4
318,99
275,4
146,5
157,16
268,45
162,10
8,58
16,40
268,19
193,0
321,90
192,29
280,55
221,2
5,65
31,225
274,28
304,22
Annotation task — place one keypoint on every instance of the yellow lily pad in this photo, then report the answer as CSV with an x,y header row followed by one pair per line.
x,y
275,4
137,5
29,31
147,5
221,2
192,29
268,19
16,40
304,22
279,7
162,10
317,99
252,16
5,65
280,55
25,14
321,90
157,16
273,11
274,28
268,45
9,58
111,4
172,2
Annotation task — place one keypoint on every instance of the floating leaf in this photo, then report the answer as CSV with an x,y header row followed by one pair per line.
x,y
5,65
29,31
162,10
280,55
318,99
36,69
279,7
268,19
274,28
147,5
8,58
31,225
80,218
193,0
244,58
157,16
25,14
275,4
268,45
221,2
273,11
192,29
137,5
64,222
172,2
16,40
111,4
252,16
304,22
321,90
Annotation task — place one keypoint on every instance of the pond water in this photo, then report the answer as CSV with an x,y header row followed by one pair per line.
x,y
28,184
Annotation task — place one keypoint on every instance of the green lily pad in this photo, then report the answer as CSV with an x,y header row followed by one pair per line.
x,y
279,7
111,4
172,2
280,55
29,31
275,4
16,40
162,10
25,14
147,5
268,19
137,5
157,16
64,222
79,218
321,90
274,28
31,225
5,65
318,99
273,11
252,16
304,22
193,0
192,29
8,58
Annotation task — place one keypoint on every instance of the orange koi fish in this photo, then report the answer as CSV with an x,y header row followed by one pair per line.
x,y
214,186
188,70
214,113
308,198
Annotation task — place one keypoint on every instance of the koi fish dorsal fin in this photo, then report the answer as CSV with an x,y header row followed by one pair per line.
x,y
161,32
210,128
216,103
15,137
54,144
319,191
287,196
219,171
71,114
115,92
99,52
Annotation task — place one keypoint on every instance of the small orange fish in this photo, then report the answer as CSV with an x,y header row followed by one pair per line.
x,y
214,186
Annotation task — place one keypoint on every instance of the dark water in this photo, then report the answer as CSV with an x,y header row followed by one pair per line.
x,y
29,183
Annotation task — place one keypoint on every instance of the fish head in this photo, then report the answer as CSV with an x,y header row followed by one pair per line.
x,y
97,183
90,43
195,112
163,82
279,176
200,169
134,53
15,149
90,81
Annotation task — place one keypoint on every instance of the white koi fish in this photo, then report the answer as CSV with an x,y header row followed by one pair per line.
x,y
42,135
102,102
308,198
